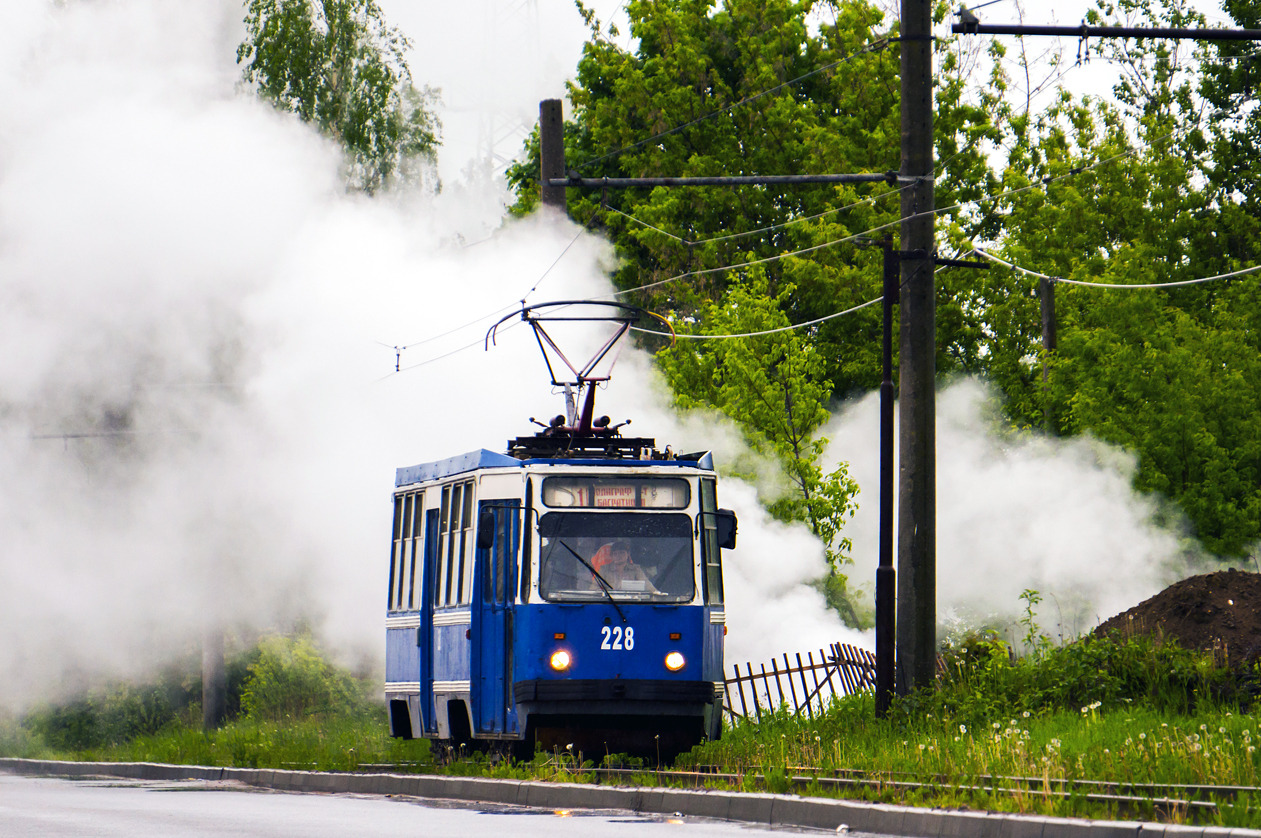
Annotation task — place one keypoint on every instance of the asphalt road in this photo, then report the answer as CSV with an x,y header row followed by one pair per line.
x,y
52,808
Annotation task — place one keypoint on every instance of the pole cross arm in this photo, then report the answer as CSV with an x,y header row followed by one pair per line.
x,y
972,27
734,180
962,263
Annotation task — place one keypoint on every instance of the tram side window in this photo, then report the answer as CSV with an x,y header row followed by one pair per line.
x,y
455,545
395,546
495,576
444,541
404,581
466,546
710,553
415,564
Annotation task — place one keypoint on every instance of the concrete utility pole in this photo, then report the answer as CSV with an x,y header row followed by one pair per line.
x,y
917,473
1046,294
551,153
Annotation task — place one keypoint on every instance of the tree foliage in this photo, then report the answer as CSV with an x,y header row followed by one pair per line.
x,y
765,87
772,385
338,65
1136,190
1121,194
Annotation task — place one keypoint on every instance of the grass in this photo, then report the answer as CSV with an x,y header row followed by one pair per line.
x,y
1119,711
1129,744
344,742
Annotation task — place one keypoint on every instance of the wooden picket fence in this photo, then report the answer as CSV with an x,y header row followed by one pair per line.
x,y
806,686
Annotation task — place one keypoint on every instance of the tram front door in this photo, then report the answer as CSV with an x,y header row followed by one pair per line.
x,y
492,618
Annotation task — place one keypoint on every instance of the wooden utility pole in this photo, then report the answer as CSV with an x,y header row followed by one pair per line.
x,y
551,153
214,680
917,473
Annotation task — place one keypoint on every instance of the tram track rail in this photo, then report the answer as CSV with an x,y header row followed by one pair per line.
x,y
1196,802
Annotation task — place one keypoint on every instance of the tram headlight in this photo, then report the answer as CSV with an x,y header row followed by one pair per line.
x,y
675,661
560,660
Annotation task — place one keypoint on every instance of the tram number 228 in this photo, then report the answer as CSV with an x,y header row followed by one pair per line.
x,y
617,639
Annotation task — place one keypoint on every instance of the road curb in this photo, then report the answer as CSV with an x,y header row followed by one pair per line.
x,y
768,809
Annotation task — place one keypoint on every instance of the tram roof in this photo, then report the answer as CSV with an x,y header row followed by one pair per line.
x,y
485,458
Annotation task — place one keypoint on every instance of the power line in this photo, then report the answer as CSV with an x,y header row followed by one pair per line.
x,y
748,233
740,265
1077,170
427,361
997,196
766,331
1029,272
399,349
572,241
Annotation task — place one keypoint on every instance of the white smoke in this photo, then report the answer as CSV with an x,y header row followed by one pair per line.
x,y
1018,511
199,414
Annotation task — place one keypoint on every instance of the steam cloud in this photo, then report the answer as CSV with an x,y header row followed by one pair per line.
x,y
1020,512
199,418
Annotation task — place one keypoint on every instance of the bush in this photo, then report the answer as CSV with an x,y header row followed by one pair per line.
x,y
291,679
280,677
113,714
982,680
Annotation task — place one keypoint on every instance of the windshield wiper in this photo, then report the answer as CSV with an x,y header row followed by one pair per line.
x,y
604,584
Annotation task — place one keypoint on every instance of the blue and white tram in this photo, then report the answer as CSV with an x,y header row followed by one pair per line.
x,y
564,595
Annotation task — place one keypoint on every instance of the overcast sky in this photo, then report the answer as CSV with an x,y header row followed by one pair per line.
x,y
494,60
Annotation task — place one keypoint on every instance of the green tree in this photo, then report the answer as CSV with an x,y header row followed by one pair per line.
x,y
772,386
1119,194
768,87
1127,192
291,678
339,65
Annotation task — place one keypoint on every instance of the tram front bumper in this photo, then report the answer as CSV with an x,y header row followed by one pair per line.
x,y
604,696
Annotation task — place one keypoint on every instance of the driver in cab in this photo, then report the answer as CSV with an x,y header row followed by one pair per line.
x,y
613,562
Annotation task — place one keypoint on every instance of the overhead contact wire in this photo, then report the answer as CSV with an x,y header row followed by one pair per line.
x,y
793,327
1028,272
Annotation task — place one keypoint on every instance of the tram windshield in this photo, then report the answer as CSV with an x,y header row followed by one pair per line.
x,y
628,556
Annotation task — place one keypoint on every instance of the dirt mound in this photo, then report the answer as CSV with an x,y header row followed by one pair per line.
x,y
1216,611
